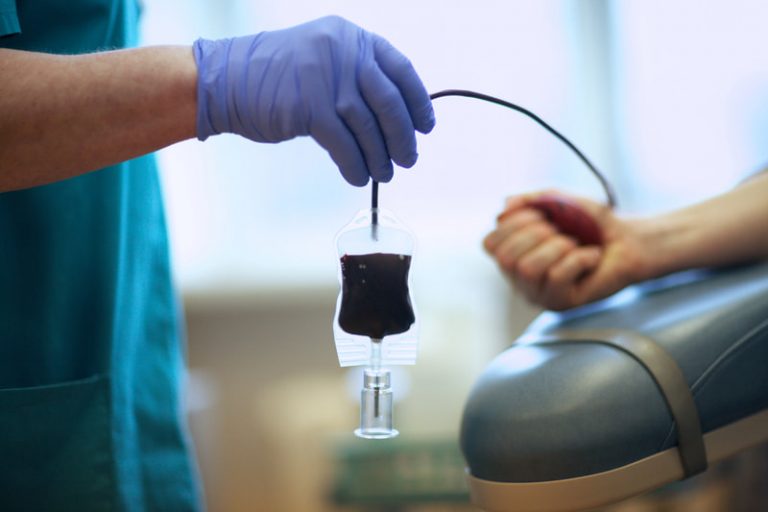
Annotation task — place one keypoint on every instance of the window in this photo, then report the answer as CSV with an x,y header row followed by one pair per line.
x,y
692,97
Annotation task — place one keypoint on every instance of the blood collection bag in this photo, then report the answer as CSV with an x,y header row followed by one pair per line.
x,y
375,323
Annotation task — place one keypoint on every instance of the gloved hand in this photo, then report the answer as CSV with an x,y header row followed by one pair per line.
x,y
351,90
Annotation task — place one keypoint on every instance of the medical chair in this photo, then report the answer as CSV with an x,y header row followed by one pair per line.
x,y
614,399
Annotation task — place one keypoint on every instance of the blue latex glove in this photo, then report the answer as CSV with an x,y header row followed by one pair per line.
x,y
351,90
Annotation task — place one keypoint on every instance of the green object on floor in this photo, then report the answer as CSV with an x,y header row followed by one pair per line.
x,y
399,472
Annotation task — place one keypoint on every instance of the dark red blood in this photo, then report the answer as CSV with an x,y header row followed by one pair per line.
x,y
570,219
375,301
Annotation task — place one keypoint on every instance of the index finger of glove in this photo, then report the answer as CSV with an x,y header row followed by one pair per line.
x,y
400,71
386,103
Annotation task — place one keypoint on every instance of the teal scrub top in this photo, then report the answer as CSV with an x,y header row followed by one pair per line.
x,y
90,351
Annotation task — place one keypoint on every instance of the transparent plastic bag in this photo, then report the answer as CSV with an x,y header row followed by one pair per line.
x,y
375,323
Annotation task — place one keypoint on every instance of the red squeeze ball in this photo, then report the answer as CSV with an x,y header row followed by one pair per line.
x,y
570,219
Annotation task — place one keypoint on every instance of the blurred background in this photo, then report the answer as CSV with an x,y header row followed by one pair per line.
x,y
669,99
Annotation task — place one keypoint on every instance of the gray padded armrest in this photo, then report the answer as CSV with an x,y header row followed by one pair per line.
x,y
541,413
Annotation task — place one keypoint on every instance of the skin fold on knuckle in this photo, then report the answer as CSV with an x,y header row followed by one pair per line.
x,y
515,216
563,274
516,245
506,260
543,230
526,271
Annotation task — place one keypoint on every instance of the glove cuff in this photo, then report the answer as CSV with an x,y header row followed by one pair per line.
x,y
211,118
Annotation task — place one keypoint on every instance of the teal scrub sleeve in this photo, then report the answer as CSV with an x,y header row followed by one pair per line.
x,y
9,20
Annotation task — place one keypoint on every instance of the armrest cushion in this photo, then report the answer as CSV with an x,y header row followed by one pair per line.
x,y
541,413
